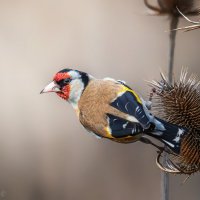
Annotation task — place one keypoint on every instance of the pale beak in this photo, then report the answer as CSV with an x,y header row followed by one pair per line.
x,y
52,87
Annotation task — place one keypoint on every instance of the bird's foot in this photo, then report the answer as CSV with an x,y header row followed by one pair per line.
x,y
148,141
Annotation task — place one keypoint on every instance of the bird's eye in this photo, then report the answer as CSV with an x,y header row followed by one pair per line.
x,y
66,81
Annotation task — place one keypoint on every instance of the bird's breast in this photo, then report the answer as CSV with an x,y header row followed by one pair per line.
x,y
94,104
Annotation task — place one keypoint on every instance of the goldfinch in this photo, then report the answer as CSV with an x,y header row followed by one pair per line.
x,y
111,109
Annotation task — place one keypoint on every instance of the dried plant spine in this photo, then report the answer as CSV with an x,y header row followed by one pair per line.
x,y
169,7
179,103
195,24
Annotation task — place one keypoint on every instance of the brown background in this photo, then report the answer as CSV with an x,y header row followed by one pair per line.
x,y
44,152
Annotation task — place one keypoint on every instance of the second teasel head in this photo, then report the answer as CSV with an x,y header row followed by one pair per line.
x,y
169,7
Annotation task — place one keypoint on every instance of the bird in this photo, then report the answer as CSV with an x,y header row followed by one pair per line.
x,y
109,108
178,103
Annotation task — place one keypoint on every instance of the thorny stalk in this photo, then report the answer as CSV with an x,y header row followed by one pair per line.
x,y
172,38
172,42
170,8
195,24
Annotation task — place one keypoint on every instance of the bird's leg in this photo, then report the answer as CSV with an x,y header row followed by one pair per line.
x,y
148,103
148,141
153,91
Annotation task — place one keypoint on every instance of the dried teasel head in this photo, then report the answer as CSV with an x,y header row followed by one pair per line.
x,y
178,103
170,7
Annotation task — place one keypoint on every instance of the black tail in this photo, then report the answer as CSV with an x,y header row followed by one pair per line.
x,y
171,135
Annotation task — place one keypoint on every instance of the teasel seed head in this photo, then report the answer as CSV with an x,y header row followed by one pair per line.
x,y
170,7
179,103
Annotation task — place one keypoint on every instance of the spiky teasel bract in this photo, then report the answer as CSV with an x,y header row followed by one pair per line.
x,y
194,24
179,103
169,7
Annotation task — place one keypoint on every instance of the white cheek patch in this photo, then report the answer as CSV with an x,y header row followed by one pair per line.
x,y
76,89
74,74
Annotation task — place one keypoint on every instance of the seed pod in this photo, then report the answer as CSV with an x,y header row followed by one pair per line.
x,y
179,103
170,7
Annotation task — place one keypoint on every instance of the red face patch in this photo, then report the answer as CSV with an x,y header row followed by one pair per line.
x,y
65,92
61,76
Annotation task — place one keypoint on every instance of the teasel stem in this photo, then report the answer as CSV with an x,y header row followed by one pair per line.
x,y
165,180
172,42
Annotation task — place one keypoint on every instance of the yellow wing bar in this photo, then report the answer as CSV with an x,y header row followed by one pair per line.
x,y
126,89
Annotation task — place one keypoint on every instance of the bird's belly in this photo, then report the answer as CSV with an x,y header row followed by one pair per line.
x,y
93,123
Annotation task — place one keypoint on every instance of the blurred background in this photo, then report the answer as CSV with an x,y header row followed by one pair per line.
x,y
45,154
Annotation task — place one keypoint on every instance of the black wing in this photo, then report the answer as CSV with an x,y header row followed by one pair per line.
x,y
130,103
120,128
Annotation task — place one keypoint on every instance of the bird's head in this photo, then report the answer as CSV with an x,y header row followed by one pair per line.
x,y
68,84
